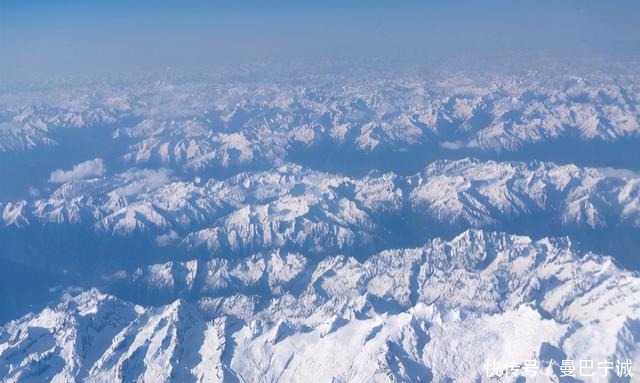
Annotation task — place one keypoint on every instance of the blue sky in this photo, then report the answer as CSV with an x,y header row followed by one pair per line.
x,y
75,34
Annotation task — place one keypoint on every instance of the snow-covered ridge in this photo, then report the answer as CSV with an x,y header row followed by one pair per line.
x,y
405,314
481,193
212,124
316,212
31,126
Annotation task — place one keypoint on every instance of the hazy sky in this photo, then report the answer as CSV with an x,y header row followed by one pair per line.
x,y
74,35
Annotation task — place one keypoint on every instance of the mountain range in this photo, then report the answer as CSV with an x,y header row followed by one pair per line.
x,y
360,227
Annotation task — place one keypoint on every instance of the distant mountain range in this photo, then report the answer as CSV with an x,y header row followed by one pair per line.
x,y
196,125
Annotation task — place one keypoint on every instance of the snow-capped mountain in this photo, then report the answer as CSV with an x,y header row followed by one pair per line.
x,y
306,210
330,227
205,124
480,193
402,314
35,125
